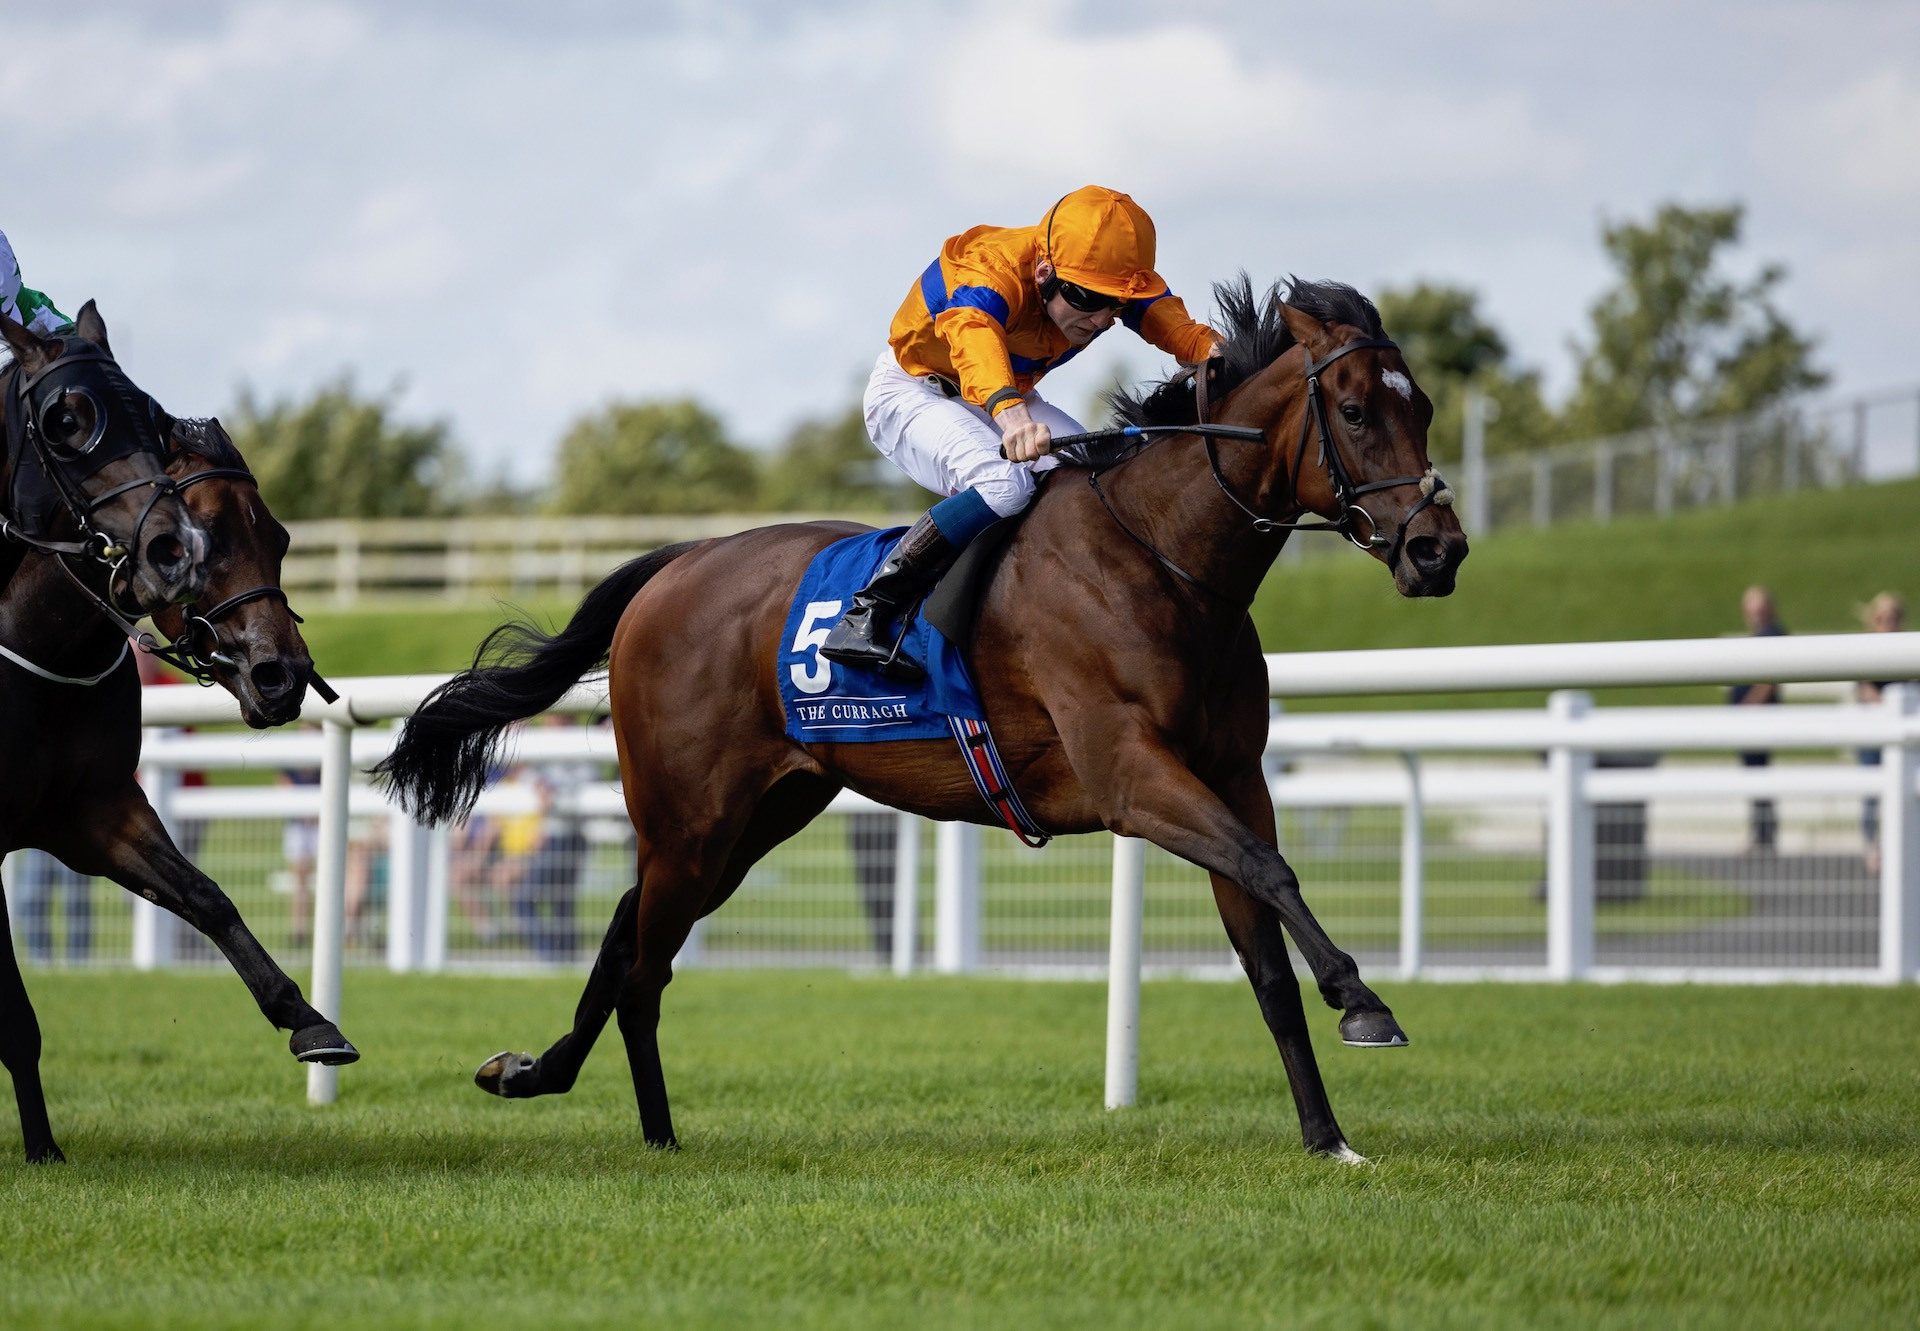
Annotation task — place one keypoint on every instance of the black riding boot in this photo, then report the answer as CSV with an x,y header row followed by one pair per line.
x,y
866,634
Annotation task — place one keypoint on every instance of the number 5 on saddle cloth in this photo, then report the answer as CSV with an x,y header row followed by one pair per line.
x,y
826,702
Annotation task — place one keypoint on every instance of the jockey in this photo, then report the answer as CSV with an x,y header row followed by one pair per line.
x,y
993,313
23,304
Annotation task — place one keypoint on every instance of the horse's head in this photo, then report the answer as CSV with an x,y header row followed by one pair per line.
x,y
1358,456
85,467
240,632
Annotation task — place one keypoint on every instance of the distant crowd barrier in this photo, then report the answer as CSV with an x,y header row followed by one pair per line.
x,y
1799,445
1796,447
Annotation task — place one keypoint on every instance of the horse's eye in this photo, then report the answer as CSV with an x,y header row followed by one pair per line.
x,y
1352,413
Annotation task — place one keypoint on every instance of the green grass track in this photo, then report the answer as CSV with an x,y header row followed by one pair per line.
x,y
873,1152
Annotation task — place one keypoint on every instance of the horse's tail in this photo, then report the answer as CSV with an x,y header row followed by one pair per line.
x,y
440,763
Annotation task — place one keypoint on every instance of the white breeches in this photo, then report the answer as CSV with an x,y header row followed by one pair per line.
x,y
947,444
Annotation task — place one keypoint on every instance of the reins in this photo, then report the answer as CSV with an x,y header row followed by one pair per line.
x,y
1433,488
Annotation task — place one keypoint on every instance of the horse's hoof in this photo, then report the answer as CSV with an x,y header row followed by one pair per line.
x,y
509,1075
46,1155
323,1044
670,1144
1371,1030
1341,1153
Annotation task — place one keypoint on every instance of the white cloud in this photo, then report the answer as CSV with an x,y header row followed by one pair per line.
x,y
1858,145
521,216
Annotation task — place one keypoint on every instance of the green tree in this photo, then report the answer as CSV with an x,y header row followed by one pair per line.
x,y
339,454
1678,338
1451,346
652,457
830,466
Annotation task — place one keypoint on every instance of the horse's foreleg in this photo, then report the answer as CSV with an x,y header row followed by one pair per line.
x,y
20,1054
140,856
1254,929
1150,793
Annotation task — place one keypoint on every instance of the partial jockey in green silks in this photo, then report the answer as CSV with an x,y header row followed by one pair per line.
x,y
23,304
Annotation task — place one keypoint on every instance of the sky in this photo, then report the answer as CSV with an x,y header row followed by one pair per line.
x,y
513,213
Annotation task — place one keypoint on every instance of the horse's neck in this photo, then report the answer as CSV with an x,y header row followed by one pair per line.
x,y
1171,492
46,619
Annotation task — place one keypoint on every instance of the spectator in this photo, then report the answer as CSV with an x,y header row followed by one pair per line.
x,y
299,843
188,833
549,875
469,874
1885,613
41,877
1763,621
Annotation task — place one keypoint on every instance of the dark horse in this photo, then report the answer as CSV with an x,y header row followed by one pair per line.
x,y
1123,676
70,735
84,469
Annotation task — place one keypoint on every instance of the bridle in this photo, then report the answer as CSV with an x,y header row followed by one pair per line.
x,y
31,409
196,651
1433,489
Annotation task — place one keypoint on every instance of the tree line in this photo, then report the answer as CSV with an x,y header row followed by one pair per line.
x,y
1675,337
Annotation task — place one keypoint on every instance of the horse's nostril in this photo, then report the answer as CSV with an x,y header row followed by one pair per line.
x,y
272,679
1427,553
166,555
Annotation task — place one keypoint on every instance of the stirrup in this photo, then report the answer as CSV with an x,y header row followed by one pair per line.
x,y
898,663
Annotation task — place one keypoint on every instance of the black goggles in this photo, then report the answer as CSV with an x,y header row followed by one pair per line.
x,y
1088,302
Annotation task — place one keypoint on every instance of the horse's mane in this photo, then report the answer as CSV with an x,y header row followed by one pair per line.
x,y
1256,336
206,437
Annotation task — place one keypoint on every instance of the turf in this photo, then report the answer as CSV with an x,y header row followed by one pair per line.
x,y
880,1153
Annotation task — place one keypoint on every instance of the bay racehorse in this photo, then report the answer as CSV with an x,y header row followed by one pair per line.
x,y
70,735
1121,672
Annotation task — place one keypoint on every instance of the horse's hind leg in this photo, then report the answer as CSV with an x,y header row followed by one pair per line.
x,y
793,803
139,855
20,1054
521,1076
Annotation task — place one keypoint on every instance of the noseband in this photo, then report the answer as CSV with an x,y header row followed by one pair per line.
x,y
196,650
1433,489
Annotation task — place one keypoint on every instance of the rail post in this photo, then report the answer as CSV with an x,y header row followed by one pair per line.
x,y
1473,455
329,894
346,566
906,892
407,869
1123,971
956,925
433,938
153,928
1570,882
1900,842
1413,870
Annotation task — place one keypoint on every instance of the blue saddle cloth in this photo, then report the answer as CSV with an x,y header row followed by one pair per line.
x,y
827,701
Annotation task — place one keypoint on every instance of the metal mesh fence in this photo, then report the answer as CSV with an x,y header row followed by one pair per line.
x,y
1788,882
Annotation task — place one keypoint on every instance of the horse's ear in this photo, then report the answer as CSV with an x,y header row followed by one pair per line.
x,y
91,326
32,351
1308,331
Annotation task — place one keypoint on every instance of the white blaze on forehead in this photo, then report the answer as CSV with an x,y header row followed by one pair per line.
x,y
1398,382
